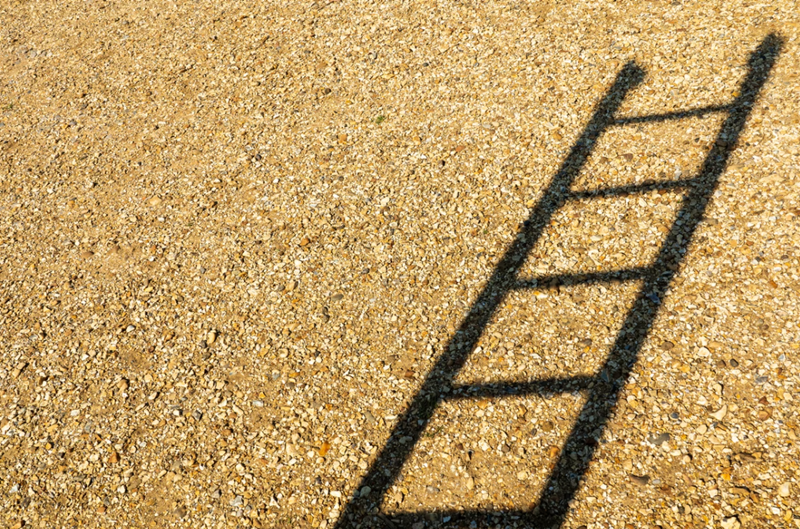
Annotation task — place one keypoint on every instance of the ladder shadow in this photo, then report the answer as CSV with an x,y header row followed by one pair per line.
x,y
602,390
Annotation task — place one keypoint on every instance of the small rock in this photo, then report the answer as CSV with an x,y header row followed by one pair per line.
x,y
731,523
659,439
323,450
431,489
733,362
211,337
122,489
19,369
640,480
785,489
238,501
365,491
763,415
720,413
113,458
337,297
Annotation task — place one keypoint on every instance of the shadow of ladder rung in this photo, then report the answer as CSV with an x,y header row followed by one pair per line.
x,y
602,388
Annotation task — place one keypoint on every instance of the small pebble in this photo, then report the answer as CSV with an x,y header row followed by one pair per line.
x,y
658,440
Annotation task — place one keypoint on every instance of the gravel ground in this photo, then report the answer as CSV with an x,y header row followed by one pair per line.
x,y
236,238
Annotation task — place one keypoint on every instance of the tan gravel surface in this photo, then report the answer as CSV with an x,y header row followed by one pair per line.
x,y
236,237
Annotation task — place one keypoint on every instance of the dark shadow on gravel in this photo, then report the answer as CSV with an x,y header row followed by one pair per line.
x,y
601,390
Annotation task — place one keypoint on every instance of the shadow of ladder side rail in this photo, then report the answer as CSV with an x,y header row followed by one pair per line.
x,y
602,389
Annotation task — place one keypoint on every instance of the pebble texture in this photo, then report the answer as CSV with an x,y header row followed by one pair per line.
x,y
236,237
